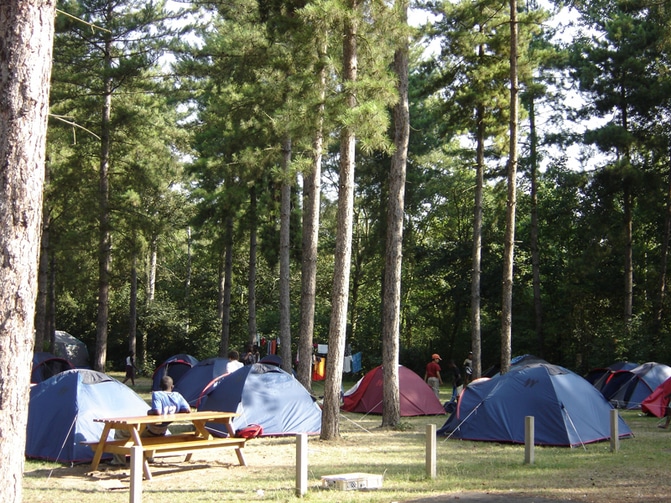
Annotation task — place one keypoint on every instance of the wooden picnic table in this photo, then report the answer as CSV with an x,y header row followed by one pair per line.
x,y
187,442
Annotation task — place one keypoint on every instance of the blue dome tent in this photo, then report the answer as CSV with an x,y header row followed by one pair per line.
x,y
175,366
198,377
599,376
626,389
266,395
568,410
62,410
46,365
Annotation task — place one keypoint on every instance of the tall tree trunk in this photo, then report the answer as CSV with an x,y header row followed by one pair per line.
x,y
476,344
343,247
664,259
285,262
509,238
535,253
251,281
628,257
26,40
151,270
51,311
187,287
311,205
391,318
132,309
226,289
42,304
105,243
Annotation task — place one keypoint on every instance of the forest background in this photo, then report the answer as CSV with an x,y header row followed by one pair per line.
x,y
180,142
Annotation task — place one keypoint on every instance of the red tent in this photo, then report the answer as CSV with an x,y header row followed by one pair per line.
x,y
657,402
417,397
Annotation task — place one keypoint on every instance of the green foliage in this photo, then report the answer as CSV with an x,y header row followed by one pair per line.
x,y
189,146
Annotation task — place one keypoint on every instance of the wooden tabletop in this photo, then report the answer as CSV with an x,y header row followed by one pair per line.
x,y
169,418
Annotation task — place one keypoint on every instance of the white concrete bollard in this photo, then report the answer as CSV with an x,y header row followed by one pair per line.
x,y
136,473
614,431
431,451
529,437
301,464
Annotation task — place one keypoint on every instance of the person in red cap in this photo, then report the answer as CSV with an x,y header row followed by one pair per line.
x,y
432,374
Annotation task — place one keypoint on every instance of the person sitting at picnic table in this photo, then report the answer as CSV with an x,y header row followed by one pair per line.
x,y
165,401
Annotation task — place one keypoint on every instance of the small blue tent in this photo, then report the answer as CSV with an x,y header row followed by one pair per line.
x,y
568,410
266,395
62,410
626,389
175,366
198,377
598,376
46,365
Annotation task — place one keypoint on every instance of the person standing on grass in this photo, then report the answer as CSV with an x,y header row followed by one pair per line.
x,y
468,368
130,368
234,362
453,371
432,374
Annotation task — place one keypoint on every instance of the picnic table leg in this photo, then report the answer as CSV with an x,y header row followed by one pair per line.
x,y
145,468
238,450
100,448
241,456
135,435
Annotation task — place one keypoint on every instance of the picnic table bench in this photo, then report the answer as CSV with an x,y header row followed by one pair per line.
x,y
186,443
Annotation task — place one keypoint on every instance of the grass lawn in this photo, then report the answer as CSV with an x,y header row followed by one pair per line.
x,y
638,472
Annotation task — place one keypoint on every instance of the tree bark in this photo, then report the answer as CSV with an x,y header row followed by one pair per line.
x,y
476,273
151,270
105,233
509,238
535,252
226,288
42,304
343,247
251,279
391,318
311,205
285,262
132,308
26,40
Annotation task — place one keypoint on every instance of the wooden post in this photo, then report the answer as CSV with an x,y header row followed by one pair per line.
x,y
136,471
431,451
529,436
614,431
301,464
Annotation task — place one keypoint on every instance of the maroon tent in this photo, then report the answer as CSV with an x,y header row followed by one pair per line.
x,y
417,397
657,402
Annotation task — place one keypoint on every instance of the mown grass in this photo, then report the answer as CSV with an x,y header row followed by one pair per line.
x,y
638,472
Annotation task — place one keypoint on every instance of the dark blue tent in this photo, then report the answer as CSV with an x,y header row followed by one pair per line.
x,y
599,375
198,377
266,395
626,389
46,365
175,366
62,409
567,410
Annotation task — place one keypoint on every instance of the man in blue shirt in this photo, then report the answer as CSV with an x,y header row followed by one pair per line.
x,y
163,402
